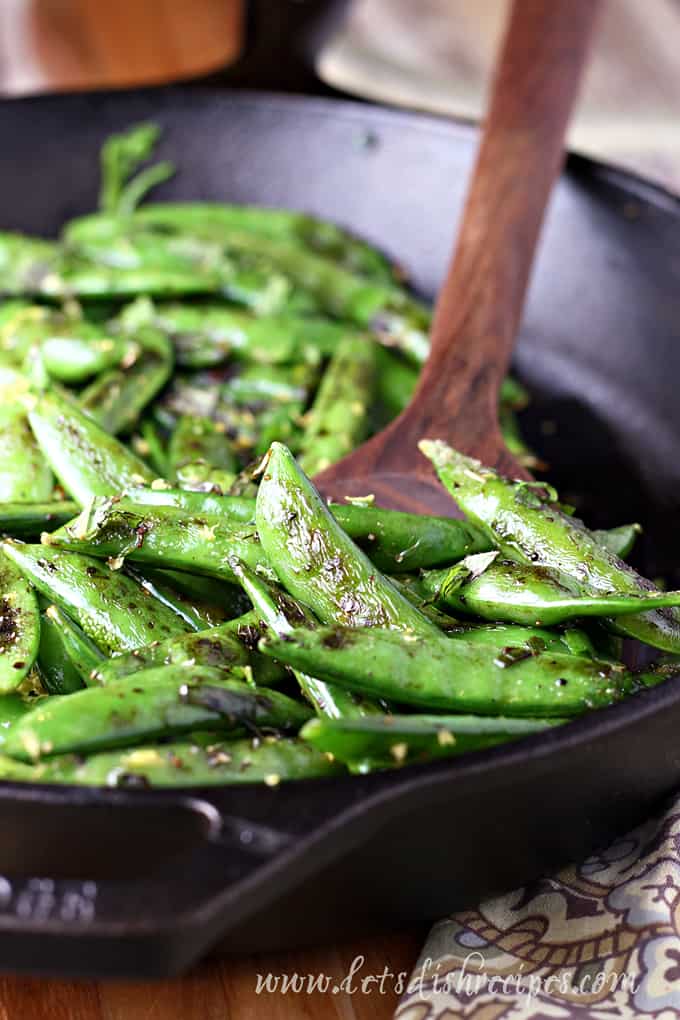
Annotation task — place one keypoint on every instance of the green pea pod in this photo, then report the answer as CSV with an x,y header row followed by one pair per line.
x,y
208,594
387,740
619,541
395,542
25,477
25,263
161,537
394,317
528,526
283,224
87,461
19,626
199,439
117,398
316,561
30,520
498,589
436,672
207,334
83,352
223,647
269,761
396,381
160,702
150,445
338,419
112,610
60,671
281,613
192,616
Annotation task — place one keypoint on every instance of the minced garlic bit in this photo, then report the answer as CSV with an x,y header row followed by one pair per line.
x,y
207,532
115,562
272,779
399,752
158,484
138,480
143,757
367,500
445,738
31,744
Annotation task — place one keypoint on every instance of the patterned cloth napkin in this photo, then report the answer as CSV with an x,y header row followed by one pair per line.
x,y
600,940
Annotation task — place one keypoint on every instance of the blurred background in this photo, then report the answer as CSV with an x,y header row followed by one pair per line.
x,y
429,54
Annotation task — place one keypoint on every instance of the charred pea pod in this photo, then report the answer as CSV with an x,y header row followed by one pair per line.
x,y
385,741
19,626
66,654
27,264
437,672
281,613
85,458
158,703
395,318
497,589
199,440
269,761
25,476
30,520
395,542
315,559
161,537
207,334
338,420
112,610
117,398
523,519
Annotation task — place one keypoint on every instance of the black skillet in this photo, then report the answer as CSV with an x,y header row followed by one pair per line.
x,y
136,882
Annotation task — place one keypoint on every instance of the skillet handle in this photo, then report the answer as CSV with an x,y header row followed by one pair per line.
x,y
144,885
282,40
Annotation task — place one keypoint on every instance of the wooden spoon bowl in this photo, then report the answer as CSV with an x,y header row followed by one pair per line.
x,y
479,307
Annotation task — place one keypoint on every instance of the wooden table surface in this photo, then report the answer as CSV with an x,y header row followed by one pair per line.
x,y
50,45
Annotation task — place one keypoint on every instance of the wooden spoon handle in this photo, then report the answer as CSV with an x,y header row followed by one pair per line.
x,y
479,307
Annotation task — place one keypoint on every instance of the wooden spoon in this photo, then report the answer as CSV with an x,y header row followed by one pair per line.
x,y
479,307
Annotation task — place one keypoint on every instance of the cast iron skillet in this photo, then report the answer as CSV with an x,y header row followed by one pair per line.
x,y
137,882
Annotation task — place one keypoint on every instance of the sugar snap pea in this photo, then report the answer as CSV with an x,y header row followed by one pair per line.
x,y
338,420
19,626
29,520
111,609
162,537
268,761
116,399
438,672
280,613
529,527
159,702
66,656
520,593
85,458
316,561
199,439
387,740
